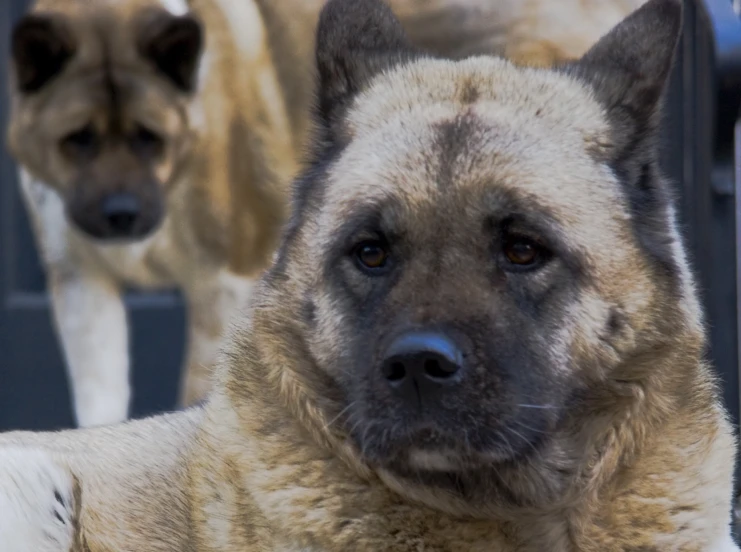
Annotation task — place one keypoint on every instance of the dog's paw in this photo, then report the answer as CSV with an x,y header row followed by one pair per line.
x,y
723,544
37,502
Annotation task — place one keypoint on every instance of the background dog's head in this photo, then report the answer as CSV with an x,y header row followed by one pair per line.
x,y
99,108
482,266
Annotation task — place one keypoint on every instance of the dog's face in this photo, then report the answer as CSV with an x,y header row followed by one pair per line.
x,y
480,247
99,109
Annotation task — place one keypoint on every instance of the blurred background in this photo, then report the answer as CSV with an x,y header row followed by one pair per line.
x,y
701,154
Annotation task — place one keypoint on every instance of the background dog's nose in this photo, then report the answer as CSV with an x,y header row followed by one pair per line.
x,y
120,212
420,362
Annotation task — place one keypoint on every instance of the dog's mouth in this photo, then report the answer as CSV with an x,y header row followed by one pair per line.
x,y
424,446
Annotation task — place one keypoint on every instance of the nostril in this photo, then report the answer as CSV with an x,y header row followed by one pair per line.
x,y
421,362
121,221
436,368
395,371
121,212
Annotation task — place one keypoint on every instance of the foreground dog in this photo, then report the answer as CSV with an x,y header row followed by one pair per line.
x,y
155,140
480,333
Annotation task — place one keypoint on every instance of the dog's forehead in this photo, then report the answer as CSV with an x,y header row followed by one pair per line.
x,y
527,94
473,127
81,8
106,31
106,34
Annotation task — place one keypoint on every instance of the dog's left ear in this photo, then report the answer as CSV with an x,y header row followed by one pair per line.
x,y
629,67
355,40
173,43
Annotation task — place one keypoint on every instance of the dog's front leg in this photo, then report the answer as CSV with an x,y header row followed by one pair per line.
x,y
39,503
724,544
90,320
212,301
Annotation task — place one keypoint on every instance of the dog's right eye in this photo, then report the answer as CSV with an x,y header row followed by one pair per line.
x,y
522,253
371,256
82,141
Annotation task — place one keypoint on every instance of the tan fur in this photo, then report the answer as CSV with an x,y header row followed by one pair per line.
x,y
528,32
272,463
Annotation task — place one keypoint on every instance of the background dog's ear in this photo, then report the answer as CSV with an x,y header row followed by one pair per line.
x,y
629,67
355,40
173,43
41,45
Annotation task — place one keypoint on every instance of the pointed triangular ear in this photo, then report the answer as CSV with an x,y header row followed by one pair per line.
x,y
173,43
355,40
41,45
629,67
628,70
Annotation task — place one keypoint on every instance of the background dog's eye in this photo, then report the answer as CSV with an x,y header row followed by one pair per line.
x,y
83,141
522,252
146,142
371,255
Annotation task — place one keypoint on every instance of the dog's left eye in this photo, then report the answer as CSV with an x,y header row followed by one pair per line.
x,y
371,255
82,142
522,253
146,141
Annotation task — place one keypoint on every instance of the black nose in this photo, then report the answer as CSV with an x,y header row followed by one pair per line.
x,y
418,363
120,212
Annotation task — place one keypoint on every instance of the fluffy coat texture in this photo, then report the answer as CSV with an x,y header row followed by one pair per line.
x,y
519,211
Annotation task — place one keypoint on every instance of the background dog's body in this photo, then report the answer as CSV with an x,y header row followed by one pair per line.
x,y
529,32
228,154
629,447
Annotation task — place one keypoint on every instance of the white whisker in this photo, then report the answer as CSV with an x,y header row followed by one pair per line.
x,y
333,420
539,406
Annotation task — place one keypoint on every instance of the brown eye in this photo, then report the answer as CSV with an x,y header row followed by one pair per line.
x,y
371,255
522,252
146,142
83,142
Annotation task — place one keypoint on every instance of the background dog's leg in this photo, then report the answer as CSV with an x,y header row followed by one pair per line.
x,y
91,321
212,301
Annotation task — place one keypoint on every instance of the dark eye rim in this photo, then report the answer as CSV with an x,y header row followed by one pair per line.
x,y
372,271
542,253
146,135
146,142
84,137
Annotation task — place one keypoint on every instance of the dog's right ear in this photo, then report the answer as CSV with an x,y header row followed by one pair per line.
x,y
355,40
173,43
41,45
